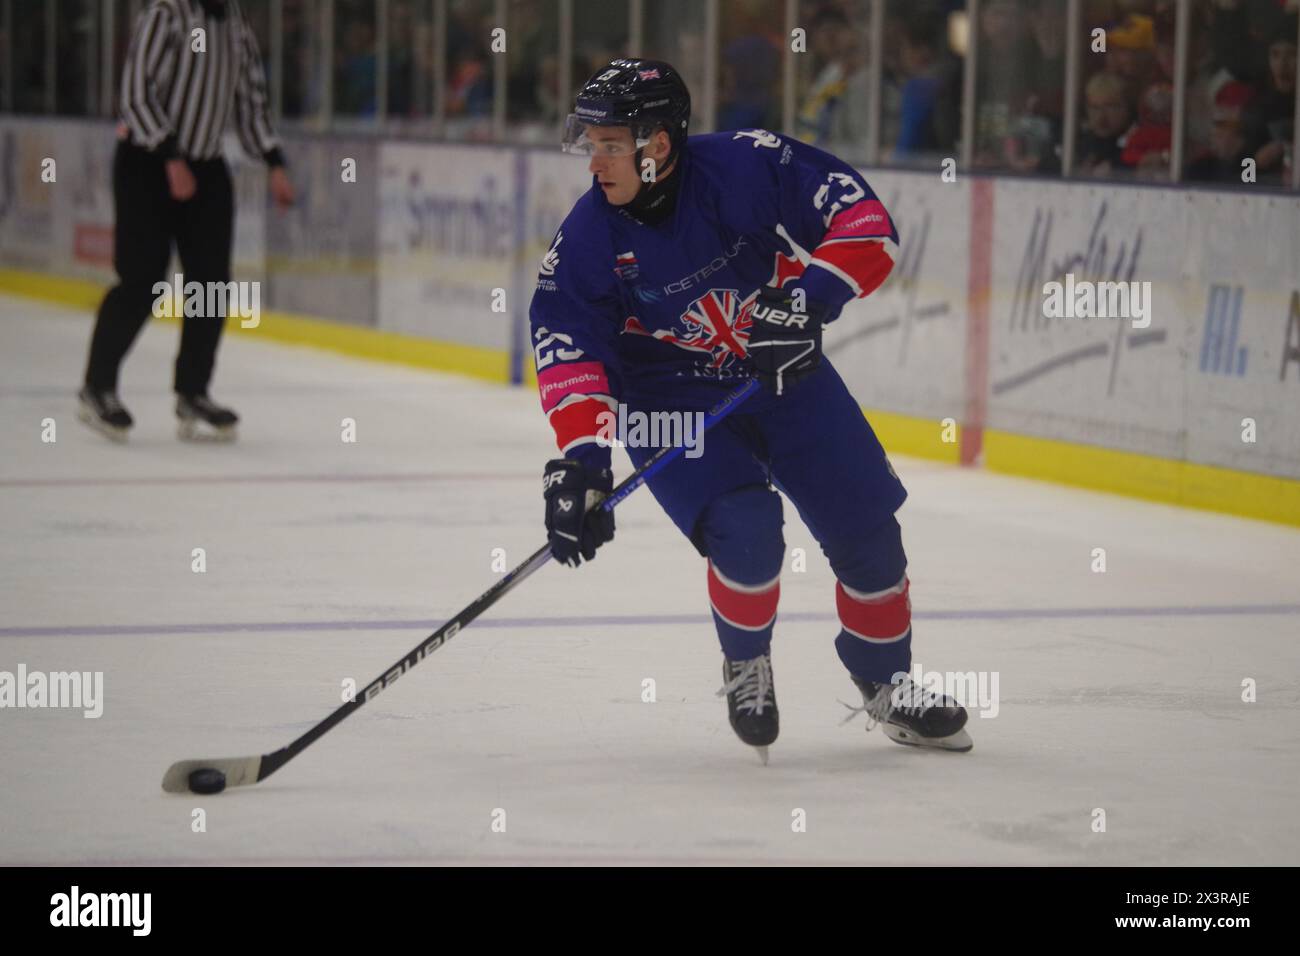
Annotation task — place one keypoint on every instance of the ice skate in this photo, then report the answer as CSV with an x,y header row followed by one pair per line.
x,y
910,714
751,701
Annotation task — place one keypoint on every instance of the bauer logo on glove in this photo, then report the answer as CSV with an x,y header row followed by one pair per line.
x,y
785,341
576,524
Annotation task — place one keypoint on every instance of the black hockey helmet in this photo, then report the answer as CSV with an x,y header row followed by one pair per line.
x,y
644,95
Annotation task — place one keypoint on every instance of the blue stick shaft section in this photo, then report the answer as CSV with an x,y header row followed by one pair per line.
x,y
666,456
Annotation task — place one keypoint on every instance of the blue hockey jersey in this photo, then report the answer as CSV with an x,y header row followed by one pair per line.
x,y
659,316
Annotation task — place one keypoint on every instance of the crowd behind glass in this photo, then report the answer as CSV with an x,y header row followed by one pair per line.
x,y
1078,88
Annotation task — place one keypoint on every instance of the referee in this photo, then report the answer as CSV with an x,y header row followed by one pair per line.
x,y
193,67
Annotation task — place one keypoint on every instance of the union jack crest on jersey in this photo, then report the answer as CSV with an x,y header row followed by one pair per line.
x,y
717,323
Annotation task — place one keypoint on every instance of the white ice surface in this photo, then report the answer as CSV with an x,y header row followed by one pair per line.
x,y
536,709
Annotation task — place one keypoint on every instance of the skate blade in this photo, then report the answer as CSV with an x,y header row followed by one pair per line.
x,y
762,754
187,430
87,416
959,742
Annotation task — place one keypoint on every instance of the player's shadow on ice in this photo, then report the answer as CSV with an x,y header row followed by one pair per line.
x,y
857,757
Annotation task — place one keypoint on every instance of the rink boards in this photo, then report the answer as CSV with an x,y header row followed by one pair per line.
x,y
427,255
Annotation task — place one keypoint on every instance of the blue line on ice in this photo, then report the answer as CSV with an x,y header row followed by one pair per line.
x,y
644,620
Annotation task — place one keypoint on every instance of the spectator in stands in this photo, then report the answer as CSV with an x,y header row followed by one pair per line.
x,y
531,50
829,42
1131,51
1230,36
1020,86
469,77
929,95
300,95
748,65
1232,140
1109,119
1147,146
1273,113
1047,97
410,68
355,81
1005,76
469,87
1033,144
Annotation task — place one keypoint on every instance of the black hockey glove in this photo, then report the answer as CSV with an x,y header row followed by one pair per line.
x,y
576,524
785,340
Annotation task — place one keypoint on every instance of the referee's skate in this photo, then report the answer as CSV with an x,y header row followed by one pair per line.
x,y
104,412
199,418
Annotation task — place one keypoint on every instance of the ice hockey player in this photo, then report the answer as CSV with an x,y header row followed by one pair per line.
x,y
692,265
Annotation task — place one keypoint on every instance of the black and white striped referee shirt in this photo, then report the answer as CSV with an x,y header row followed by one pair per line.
x,y
179,92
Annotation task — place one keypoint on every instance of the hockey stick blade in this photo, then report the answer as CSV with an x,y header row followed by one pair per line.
x,y
237,772
213,776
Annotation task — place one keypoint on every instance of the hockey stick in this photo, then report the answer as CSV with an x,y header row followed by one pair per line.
x,y
213,776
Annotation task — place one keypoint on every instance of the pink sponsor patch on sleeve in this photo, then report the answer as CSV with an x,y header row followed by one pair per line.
x,y
863,220
582,378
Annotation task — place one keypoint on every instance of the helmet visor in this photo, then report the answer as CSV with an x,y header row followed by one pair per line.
x,y
588,139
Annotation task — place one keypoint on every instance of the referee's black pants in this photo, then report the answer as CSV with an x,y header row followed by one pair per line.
x,y
148,222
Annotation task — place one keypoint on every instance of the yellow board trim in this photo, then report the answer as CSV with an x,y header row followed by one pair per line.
x,y
476,361
80,293
357,341
918,437
1165,480
1085,466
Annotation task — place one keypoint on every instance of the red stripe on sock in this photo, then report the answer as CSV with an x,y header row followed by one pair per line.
x,y
747,609
881,619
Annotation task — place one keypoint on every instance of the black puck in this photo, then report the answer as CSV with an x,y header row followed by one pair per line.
x,y
207,780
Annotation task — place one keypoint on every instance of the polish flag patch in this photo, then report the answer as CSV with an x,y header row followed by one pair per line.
x,y
625,266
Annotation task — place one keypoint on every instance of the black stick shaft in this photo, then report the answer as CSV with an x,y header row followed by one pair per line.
x,y
272,762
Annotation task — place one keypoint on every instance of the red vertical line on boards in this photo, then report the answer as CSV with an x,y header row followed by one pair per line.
x,y
979,283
